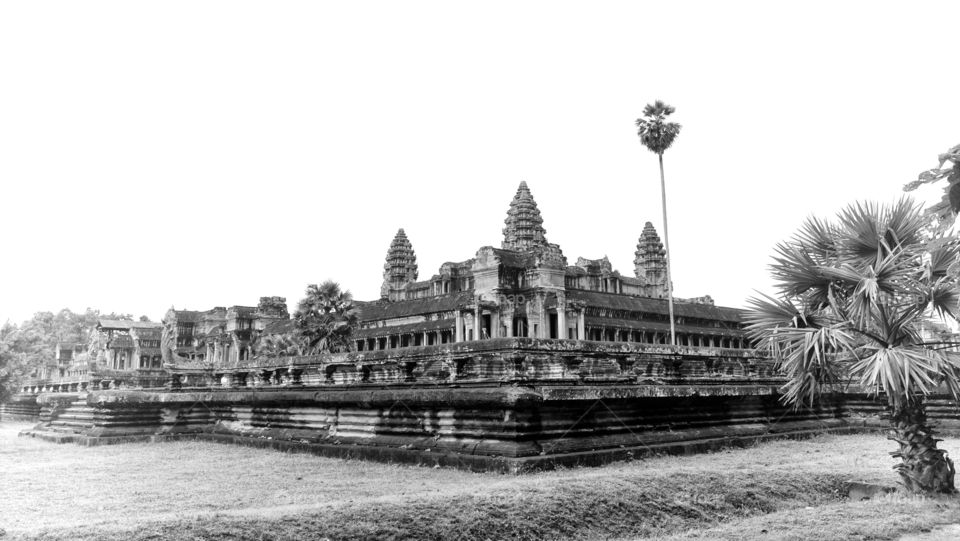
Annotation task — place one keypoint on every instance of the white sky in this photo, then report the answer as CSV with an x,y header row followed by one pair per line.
x,y
207,153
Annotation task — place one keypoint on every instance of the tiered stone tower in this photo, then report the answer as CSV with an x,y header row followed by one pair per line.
x,y
524,229
650,263
400,268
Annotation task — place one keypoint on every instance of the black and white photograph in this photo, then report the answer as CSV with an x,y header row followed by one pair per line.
x,y
448,270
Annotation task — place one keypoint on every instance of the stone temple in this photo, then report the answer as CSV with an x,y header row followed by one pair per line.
x,y
511,360
526,288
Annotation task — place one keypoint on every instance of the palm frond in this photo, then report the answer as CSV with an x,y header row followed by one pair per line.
x,y
858,240
811,359
943,257
768,314
904,223
944,298
816,237
797,272
899,372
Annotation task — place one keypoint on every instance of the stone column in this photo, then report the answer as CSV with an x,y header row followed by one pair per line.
x,y
458,331
543,330
561,316
581,325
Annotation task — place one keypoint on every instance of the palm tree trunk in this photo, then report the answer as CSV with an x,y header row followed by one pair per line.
x,y
666,243
923,467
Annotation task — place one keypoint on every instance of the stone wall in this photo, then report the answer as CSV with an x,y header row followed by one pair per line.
x,y
21,407
509,404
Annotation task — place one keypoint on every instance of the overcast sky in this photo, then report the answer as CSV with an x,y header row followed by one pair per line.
x,y
195,154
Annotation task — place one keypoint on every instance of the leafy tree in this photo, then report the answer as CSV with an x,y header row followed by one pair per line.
x,y
27,349
658,135
854,297
325,318
11,362
948,207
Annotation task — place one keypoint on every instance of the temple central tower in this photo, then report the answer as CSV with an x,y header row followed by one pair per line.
x,y
400,268
524,229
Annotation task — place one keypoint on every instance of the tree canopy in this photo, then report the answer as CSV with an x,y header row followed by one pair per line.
x,y
947,170
27,348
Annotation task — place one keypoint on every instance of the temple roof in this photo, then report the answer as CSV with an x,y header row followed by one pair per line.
x,y
512,258
280,326
632,324
122,341
215,331
187,315
126,324
655,306
423,326
524,228
429,305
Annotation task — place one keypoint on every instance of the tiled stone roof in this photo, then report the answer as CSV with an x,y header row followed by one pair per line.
x,y
437,324
387,310
512,258
126,324
281,326
655,306
658,326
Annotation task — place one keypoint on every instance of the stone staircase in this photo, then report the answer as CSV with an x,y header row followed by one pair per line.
x,y
64,424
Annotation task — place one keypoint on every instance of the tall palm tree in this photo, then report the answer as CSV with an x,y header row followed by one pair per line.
x,y
854,296
657,135
326,318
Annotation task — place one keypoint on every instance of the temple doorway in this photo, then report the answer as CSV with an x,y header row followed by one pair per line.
x,y
520,326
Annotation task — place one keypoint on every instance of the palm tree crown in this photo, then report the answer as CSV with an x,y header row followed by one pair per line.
x,y
655,132
326,318
854,297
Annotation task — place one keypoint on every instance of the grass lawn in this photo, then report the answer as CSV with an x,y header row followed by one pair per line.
x,y
190,490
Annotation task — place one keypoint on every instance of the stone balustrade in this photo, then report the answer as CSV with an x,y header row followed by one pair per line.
x,y
507,360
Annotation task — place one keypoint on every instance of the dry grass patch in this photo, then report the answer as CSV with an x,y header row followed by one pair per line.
x,y
193,490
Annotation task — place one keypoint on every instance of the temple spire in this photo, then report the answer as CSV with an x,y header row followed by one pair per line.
x,y
650,263
524,225
400,268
